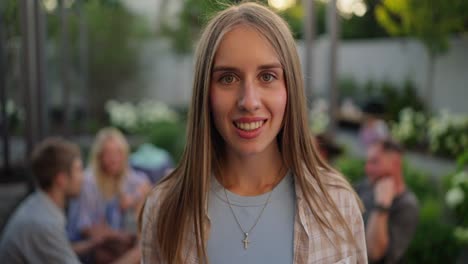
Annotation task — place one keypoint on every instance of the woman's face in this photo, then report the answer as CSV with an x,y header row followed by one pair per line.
x,y
247,92
112,157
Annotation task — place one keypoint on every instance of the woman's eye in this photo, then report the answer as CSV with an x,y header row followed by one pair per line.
x,y
267,77
227,79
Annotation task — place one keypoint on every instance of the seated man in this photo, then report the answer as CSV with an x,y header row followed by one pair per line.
x,y
36,231
392,210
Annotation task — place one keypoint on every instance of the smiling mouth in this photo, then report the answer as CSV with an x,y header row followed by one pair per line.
x,y
249,126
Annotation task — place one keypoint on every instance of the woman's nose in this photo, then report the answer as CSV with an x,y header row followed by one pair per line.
x,y
249,99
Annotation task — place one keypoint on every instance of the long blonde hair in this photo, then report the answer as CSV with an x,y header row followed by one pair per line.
x,y
108,186
182,207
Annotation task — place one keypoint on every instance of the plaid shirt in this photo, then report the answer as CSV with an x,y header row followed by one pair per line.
x,y
310,244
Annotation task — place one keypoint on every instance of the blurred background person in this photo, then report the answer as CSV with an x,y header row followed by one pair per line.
x,y
111,197
373,128
392,210
36,231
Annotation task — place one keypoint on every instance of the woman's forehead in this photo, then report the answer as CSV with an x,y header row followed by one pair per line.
x,y
245,47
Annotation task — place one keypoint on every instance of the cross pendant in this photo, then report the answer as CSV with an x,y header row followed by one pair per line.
x,y
246,240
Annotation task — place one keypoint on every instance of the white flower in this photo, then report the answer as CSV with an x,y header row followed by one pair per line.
x,y
318,116
153,111
122,114
145,113
454,197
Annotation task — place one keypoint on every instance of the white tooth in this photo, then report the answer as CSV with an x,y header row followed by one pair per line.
x,y
242,126
249,126
259,124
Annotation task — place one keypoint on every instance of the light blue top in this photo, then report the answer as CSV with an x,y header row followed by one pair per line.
x,y
36,234
271,240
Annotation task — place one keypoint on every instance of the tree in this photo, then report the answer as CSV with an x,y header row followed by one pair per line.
x,y
113,39
430,21
190,20
363,27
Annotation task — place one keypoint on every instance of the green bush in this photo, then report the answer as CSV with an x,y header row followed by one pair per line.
x,y
349,88
411,128
351,168
456,198
394,96
443,134
447,133
169,136
419,182
434,240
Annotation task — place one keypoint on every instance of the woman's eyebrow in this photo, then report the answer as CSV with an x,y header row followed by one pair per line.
x,y
270,66
234,69
225,68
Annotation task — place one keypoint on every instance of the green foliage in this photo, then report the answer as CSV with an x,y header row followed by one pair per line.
x,y
419,182
349,88
9,10
433,241
398,99
114,35
456,197
155,121
194,14
294,17
351,168
411,128
447,134
462,160
169,136
443,134
431,21
395,96
363,27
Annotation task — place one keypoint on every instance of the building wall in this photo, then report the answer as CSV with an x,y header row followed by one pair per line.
x,y
168,77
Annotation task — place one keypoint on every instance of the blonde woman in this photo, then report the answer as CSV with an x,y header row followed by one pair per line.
x,y
251,186
112,192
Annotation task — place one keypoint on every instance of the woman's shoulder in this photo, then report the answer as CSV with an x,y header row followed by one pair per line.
x,y
150,254
341,191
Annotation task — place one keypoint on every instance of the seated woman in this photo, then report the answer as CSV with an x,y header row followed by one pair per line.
x,y
112,194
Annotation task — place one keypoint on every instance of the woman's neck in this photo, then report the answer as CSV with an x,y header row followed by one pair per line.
x,y
253,174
